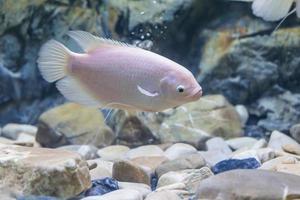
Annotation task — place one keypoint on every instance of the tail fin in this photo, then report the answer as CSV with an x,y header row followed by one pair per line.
x,y
53,60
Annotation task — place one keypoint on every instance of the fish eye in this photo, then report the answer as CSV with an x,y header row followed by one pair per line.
x,y
180,88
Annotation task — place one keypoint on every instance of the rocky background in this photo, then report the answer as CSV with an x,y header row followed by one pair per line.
x,y
248,118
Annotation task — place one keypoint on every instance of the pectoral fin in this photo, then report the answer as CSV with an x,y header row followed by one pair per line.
x,y
146,92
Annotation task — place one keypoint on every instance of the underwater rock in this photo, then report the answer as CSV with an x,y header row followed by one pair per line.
x,y
272,164
218,144
144,151
124,194
241,142
246,68
127,171
277,111
190,178
212,157
12,131
179,149
190,161
87,152
73,124
149,163
40,171
143,189
254,131
292,148
243,113
113,152
133,129
102,170
295,132
102,186
261,155
278,140
231,164
196,122
261,185
163,195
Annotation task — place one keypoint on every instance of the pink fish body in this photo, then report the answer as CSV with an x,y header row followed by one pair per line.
x,y
113,74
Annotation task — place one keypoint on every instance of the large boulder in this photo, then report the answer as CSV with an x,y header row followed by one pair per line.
x,y
73,124
250,184
261,70
196,122
42,171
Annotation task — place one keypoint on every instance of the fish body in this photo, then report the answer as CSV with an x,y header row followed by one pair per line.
x,y
113,74
273,10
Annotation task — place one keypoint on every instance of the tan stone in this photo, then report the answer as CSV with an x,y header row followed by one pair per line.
x,y
42,171
75,124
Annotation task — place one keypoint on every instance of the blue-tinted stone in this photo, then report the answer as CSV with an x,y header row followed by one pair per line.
x,y
254,131
102,186
154,180
230,164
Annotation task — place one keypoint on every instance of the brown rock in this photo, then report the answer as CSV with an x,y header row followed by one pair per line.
x,y
127,171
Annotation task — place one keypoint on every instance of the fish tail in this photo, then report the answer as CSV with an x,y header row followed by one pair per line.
x,y
53,60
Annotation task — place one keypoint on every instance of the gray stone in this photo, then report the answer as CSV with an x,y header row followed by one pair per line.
x,y
87,152
124,194
218,144
190,178
243,113
192,161
178,150
241,142
278,140
280,108
261,185
295,132
12,131
213,157
113,153
102,170
279,163
163,195
143,189
143,151
40,171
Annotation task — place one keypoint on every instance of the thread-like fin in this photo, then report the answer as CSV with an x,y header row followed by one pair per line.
x,y
89,42
271,10
53,60
74,91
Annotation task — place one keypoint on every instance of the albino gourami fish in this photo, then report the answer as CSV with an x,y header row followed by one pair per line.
x,y
273,10
116,75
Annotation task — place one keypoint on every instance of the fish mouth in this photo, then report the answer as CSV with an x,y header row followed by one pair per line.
x,y
196,94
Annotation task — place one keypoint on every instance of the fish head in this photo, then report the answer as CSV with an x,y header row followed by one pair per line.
x,y
180,87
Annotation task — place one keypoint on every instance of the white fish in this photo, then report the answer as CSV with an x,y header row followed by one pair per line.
x,y
117,75
273,10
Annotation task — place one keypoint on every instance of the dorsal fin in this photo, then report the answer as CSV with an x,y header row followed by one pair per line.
x,y
89,42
